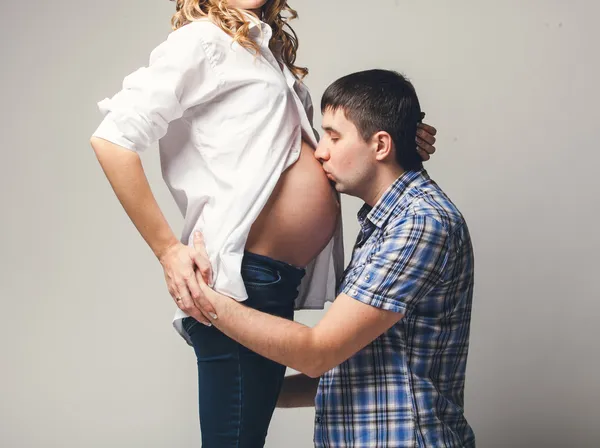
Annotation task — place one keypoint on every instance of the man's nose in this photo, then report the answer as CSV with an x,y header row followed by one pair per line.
x,y
321,153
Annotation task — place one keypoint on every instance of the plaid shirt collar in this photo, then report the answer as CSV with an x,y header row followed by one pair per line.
x,y
378,215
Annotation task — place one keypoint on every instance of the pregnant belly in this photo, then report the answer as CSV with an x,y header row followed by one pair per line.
x,y
301,215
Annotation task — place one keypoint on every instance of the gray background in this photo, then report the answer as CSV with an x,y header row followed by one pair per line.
x,y
88,355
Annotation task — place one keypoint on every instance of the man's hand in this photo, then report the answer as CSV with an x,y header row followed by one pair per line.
x,y
179,263
425,139
347,327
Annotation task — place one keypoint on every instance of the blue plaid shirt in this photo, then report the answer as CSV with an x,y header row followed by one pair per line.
x,y
405,389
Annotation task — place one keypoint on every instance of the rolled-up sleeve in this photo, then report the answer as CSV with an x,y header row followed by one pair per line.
x,y
179,76
405,267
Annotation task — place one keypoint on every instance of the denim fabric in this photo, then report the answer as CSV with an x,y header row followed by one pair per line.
x,y
238,389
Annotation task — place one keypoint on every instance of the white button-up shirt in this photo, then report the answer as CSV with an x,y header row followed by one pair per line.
x,y
228,122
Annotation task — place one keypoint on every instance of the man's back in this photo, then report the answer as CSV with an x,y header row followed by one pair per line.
x,y
405,389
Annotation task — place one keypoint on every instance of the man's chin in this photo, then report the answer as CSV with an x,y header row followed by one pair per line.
x,y
338,187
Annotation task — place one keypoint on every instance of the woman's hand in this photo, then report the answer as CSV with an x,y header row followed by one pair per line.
x,y
425,139
180,264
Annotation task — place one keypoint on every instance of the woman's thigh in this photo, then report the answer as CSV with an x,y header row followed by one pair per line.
x,y
238,389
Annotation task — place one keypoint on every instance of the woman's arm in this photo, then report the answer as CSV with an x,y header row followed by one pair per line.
x,y
124,171
179,76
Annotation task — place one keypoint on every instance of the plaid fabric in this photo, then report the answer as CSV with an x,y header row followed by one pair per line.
x,y
405,389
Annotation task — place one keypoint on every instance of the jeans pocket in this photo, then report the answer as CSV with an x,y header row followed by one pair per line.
x,y
254,275
188,323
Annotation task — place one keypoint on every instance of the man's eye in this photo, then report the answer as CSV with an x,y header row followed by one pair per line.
x,y
334,139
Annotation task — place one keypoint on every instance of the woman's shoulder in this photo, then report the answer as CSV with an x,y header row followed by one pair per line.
x,y
195,39
203,29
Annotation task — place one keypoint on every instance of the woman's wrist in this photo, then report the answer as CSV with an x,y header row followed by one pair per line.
x,y
160,250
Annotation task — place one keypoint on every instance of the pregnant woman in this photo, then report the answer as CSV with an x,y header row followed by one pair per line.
x,y
225,100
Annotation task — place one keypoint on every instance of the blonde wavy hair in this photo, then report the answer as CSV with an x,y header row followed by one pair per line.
x,y
284,41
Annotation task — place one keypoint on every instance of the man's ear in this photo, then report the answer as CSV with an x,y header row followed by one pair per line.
x,y
383,145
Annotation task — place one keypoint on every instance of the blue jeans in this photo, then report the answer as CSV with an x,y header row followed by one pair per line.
x,y
238,389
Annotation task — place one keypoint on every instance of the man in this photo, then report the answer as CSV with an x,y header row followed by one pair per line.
x,y
391,351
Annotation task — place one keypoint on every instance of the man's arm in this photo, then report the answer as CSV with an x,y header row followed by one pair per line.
x,y
298,391
404,269
346,328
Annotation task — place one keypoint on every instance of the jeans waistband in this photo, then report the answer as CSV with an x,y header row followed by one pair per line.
x,y
290,272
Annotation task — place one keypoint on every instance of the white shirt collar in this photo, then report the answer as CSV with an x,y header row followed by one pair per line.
x,y
254,21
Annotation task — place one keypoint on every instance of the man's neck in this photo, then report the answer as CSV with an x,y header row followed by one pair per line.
x,y
383,180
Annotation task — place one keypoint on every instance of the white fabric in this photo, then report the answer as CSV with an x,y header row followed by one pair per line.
x,y
229,123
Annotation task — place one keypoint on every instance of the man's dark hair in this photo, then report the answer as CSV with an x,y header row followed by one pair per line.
x,y
380,100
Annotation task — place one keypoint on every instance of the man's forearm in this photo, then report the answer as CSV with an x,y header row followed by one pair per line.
x,y
281,340
124,171
298,391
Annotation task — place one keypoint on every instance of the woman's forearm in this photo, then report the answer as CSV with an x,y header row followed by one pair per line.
x,y
124,171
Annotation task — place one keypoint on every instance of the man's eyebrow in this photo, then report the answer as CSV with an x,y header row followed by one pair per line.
x,y
330,129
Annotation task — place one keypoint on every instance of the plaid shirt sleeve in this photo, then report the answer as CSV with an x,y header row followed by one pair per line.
x,y
404,267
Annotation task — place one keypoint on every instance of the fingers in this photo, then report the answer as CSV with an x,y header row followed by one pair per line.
x,y
201,281
425,140
195,305
426,128
426,137
187,305
191,284
185,302
199,242
202,302
200,307
183,299
200,317
181,281
423,155
201,258
424,146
